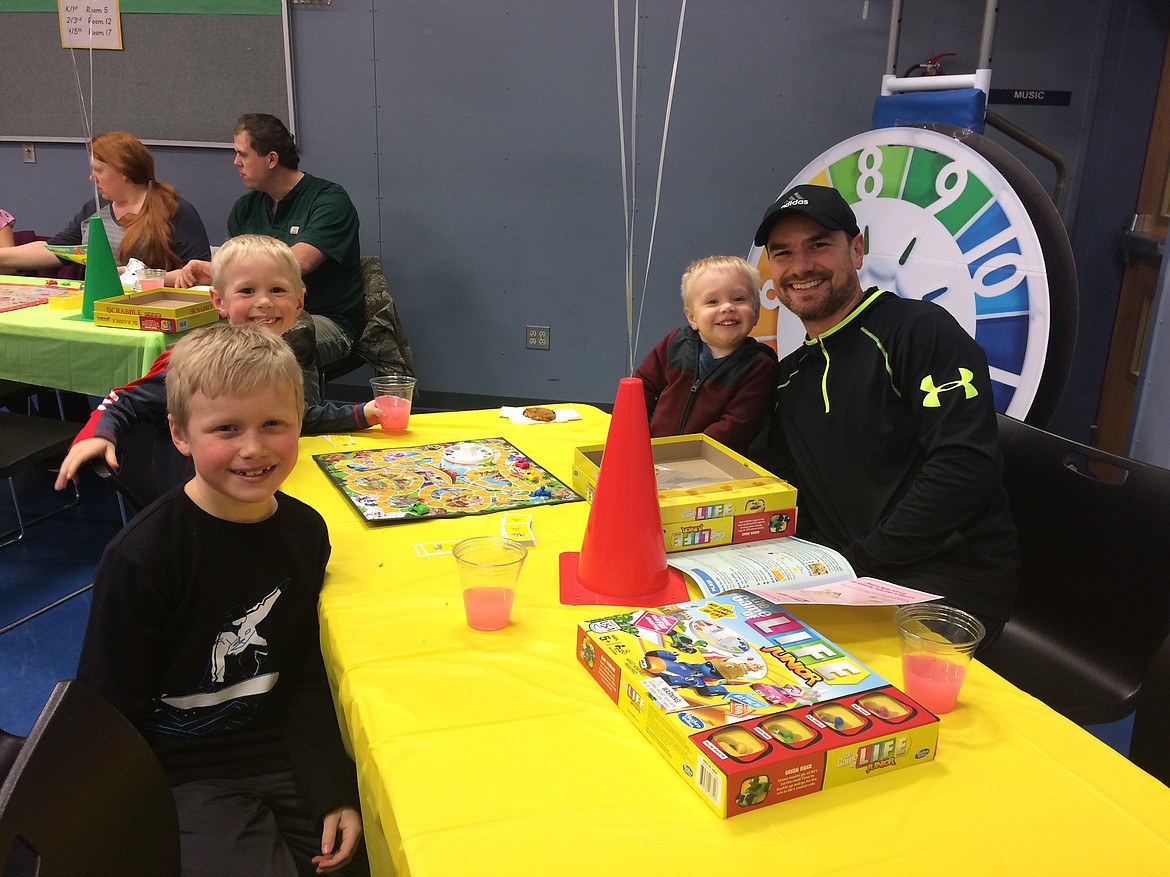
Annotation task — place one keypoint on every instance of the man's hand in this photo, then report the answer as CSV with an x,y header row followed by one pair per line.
x,y
80,454
195,273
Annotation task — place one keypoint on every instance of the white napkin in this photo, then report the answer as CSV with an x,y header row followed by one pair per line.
x,y
516,415
130,275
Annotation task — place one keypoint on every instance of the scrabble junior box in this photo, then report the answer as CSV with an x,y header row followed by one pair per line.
x,y
750,705
156,310
708,494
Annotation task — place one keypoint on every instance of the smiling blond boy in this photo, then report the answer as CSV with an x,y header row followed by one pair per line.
x,y
255,280
203,628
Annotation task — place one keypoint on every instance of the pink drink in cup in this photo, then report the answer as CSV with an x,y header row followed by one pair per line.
x,y
932,680
392,396
489,567
937,644
151,278
488,608
395,412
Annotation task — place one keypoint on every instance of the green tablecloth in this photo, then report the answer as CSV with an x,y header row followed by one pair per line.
x,y
57,348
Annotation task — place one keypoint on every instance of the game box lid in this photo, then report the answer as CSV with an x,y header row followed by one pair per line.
x,y
749,703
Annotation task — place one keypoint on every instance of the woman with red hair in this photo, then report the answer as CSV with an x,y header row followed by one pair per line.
x,y
143,218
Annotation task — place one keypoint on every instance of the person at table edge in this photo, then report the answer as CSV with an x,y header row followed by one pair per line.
x,y
142,217
884,420
315,217
7,220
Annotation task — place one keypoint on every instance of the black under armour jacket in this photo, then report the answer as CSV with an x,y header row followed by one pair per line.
x,y
886,424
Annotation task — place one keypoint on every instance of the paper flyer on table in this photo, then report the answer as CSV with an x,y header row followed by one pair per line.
x,y
789,570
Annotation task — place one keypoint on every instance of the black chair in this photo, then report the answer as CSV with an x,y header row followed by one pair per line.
x,y
25,442
383,344
148,466
84,794
15,395
1094,599
1148,748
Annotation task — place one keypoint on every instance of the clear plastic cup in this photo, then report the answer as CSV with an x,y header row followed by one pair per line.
x,y
937,644
489,567
393,395
150,278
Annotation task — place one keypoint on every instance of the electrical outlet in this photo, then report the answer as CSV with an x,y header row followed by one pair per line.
x,y
30,154
537,337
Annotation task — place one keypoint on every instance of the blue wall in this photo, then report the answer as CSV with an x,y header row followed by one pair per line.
x,y
480,143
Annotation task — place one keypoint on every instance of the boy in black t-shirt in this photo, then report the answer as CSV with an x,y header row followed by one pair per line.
x,y
204,631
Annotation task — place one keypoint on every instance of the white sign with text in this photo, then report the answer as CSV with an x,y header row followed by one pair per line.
x,y
90,24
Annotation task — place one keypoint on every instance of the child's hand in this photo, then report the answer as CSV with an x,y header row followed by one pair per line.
x,y
80,454
372,413
336,853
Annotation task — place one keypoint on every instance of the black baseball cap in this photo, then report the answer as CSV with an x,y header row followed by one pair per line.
x,y
822,203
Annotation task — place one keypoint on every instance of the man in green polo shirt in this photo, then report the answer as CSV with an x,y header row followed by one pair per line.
x,y
313,216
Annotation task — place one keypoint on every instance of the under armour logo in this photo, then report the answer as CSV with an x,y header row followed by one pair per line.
x,y
932,392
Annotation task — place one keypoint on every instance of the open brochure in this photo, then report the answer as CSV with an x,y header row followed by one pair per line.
x,y
789,570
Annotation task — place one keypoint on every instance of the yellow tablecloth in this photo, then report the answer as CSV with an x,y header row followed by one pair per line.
x,y
56,348
496,753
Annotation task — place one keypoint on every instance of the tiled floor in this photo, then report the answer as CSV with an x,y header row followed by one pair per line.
x,y
56,559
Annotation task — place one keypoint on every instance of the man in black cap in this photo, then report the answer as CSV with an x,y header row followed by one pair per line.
x,y
885,419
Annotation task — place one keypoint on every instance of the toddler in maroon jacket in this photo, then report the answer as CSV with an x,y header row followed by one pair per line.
x,y
710,376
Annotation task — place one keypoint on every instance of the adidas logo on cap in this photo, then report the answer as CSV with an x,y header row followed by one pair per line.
x,y
823,204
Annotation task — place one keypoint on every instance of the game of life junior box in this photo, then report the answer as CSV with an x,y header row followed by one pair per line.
x,y
750,705
708,494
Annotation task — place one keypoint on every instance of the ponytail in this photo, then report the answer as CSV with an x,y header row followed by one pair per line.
x,y
148,232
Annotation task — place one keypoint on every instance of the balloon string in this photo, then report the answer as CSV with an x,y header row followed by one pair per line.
x,y
86,114
627,208
629,166
661,163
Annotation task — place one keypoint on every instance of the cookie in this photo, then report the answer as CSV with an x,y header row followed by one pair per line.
x,y
544,415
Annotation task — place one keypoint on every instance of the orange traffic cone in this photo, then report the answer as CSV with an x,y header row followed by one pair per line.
x,y
101,274
622,561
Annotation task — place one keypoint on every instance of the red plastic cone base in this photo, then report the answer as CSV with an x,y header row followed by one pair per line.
x,y
574,592
622,561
